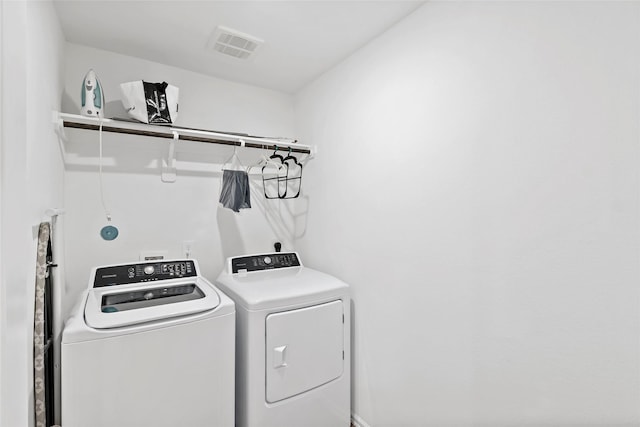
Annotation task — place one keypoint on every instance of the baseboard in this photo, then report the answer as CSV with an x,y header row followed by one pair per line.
x,y
356,421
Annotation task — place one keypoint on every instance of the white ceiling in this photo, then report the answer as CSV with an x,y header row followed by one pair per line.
x,y
303,39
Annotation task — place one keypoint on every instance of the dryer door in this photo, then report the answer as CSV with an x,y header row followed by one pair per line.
x,y
304,349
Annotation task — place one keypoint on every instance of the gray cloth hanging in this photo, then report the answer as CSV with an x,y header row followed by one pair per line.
x,y
42,333
234,194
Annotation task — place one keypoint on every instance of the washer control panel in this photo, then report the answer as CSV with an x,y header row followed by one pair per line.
x,y
143,272
264,262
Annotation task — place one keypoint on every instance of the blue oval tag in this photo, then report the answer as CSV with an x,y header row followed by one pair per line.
x,y
109,232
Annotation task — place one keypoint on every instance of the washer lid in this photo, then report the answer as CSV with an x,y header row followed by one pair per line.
x,y
113,307
268,289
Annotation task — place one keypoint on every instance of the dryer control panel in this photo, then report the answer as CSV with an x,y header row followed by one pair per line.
x,y
143,272
264,262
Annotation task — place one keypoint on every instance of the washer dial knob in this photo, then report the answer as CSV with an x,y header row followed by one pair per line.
x,y
267,260
149,269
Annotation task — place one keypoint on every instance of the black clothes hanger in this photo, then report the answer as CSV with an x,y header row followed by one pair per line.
x,y
294,179
290,157
276,156
280,178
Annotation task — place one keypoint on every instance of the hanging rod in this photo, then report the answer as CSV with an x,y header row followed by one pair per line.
x,y
131,128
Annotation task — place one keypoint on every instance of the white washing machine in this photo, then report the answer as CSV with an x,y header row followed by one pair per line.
x,y
292,342
149,344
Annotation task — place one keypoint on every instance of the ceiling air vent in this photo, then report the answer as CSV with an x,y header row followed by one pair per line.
x,y
234,43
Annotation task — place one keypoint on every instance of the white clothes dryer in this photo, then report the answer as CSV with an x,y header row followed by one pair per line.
x,y
292,342
149,344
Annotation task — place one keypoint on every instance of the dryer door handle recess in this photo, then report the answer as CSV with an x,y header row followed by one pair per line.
x,y
279,357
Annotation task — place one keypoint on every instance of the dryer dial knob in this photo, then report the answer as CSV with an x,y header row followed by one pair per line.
x,y
267,260
149,269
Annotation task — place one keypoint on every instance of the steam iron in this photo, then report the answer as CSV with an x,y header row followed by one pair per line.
x,y
92,96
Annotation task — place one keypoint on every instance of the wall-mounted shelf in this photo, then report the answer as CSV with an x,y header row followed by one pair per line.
x,y
175,134
184,134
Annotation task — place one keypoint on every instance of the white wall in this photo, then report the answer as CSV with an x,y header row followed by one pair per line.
x,y
477,185
32,181
150,214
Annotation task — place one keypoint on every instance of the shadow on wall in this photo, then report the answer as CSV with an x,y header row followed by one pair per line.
x,y
278,220
230,236
67,104
282,216
287,218
133,154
